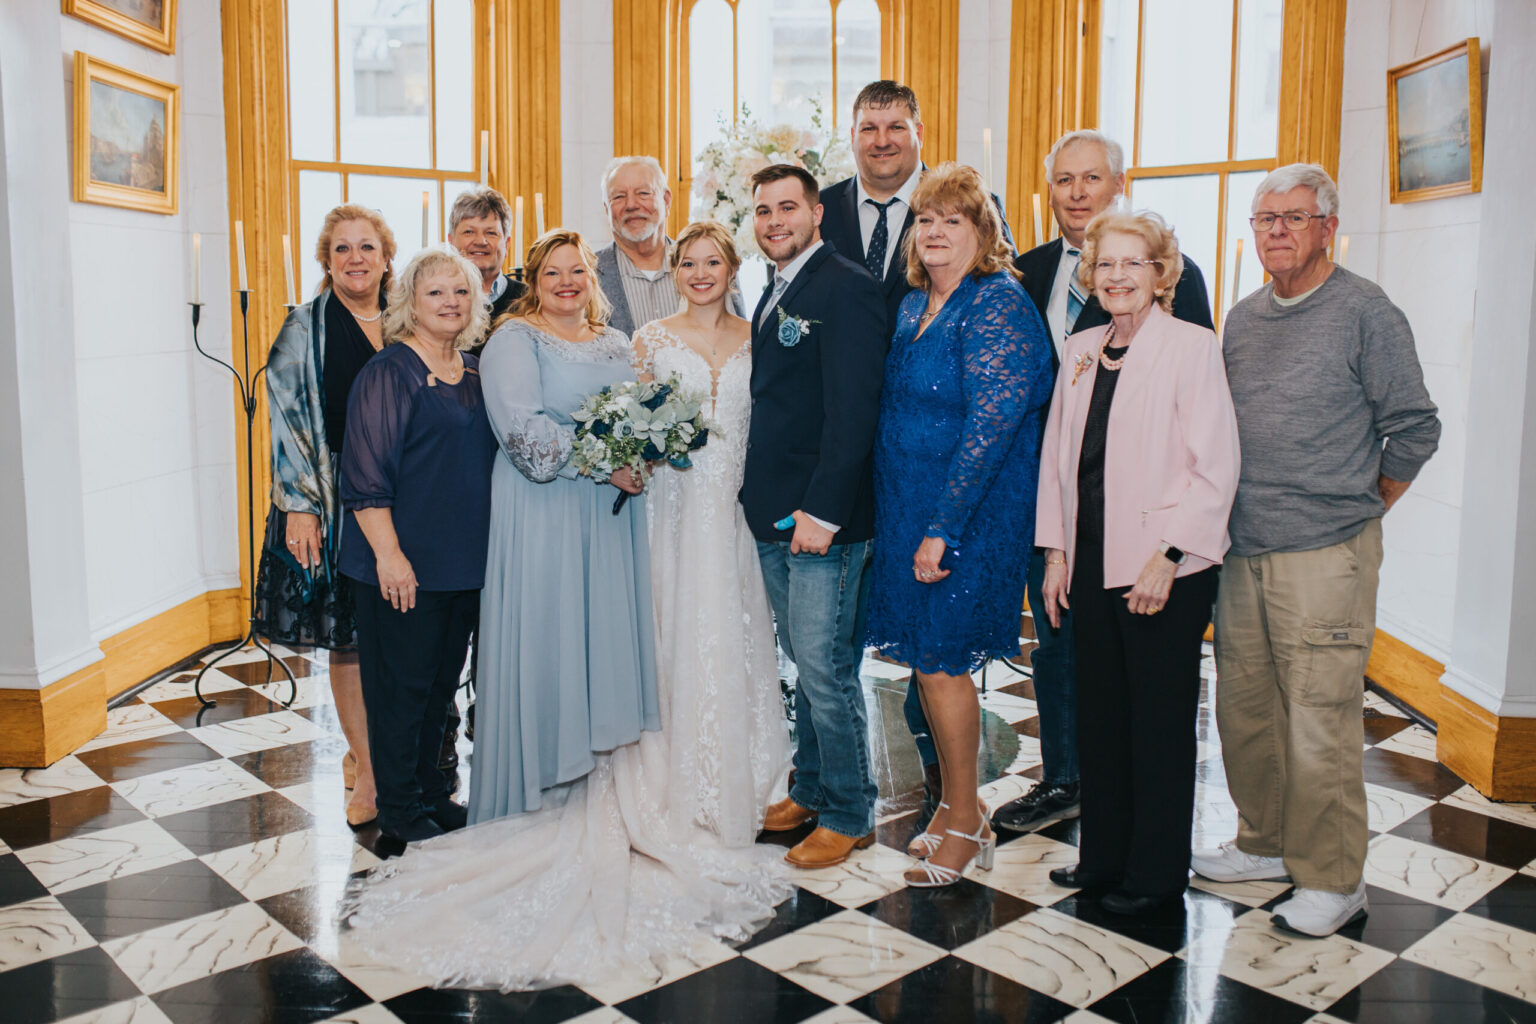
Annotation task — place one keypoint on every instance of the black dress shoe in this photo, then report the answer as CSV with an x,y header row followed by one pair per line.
x,y
1039,807
413,831
1130,905
449,816
1075,878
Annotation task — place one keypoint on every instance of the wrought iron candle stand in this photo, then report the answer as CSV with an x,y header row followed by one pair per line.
x,y
247,382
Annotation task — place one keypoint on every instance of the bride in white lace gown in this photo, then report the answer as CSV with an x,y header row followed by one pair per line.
x,y
652,851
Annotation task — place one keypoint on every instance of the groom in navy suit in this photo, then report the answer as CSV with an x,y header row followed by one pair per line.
x,y
818,349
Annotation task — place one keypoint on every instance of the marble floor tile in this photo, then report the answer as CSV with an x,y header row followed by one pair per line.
x,y
839,1015
1249,894
373,1013
1021,867
1382,706
66,775
1387,808
214,681
846,955
262,732
279,864
133,1011
641,978
1028,755
1484,952
1008,707
1003,789
184,789
1063,958
381,981
884,670
313,795
601,1015
865,876
101,856
175,954
313,691
1415,741
130,722
1430,874
1315,973
1085,1017
1470,799
38,930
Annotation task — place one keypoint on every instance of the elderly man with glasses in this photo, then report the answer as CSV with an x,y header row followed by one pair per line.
x,y
1334,423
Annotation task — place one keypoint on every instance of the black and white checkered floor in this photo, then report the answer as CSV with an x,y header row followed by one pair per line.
x,y
188,868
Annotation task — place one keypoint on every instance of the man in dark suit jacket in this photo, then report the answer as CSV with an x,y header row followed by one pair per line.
x,y
1086,170
887,137
818,347
478,227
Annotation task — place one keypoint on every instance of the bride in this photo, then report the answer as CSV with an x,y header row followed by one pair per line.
x,y
652,850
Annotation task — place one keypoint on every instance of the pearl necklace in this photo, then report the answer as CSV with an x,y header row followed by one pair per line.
x,y
369,319
1105,361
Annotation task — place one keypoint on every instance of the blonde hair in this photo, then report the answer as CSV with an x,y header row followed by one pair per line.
x,y
354,211
1162,249
400,315
708,231
956,188
531,304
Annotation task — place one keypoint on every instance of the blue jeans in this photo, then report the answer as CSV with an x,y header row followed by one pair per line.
x,y
818,604
1055,670
917,724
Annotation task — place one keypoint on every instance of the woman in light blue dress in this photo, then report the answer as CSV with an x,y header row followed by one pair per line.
x,y
567,642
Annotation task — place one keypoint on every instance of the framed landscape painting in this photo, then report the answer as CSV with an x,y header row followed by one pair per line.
x,y
1435,124
126,128
151,22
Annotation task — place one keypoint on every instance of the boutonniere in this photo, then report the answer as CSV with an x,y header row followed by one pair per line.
x,y
1081,363
793,329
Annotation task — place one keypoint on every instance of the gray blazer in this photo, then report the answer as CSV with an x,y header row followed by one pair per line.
x,y
621,319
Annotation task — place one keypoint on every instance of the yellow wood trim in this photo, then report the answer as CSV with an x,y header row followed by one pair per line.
x,y
1496,755
424,173
1312,82
160,37
525,41
141,650
928,61
87,190
1212,167
1407,674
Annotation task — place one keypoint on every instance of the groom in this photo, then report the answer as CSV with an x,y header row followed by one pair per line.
x,y
818,357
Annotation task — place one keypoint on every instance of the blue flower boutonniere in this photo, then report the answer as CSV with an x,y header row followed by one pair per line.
x,y
793,329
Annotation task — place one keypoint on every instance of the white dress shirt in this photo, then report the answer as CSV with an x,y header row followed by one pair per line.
x,y
895,215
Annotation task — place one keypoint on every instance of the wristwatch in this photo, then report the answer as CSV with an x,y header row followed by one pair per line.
x,y
1173,554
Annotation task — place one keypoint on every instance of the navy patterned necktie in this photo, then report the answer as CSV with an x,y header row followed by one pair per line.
x,y
1076,300
879,240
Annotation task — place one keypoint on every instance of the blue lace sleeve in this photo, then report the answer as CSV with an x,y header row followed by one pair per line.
x,y
1003,360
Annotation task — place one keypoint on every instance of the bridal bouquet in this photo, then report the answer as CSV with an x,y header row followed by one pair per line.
x,y
636,422
722,186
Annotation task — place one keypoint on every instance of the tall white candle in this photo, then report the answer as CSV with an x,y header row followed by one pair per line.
x,y
197,268
538,214
986,146
424,241
240,252
288,269
485,159
1039,227
1343,250
517,230
1237,272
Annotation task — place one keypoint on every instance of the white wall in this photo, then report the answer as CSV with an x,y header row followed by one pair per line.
x,y
982,88
586,114
1425,256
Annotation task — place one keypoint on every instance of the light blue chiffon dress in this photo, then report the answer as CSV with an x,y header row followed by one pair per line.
x,y
567,663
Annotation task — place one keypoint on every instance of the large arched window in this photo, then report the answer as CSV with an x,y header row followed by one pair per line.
x,y
1191,89
381,111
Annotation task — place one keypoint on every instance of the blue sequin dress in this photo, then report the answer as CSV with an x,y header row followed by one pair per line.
x,y
957,456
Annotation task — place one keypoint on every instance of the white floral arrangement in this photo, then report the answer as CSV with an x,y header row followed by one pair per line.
x,y
635,422
722,183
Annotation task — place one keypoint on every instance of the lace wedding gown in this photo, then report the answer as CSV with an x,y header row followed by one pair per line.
x,y
652,851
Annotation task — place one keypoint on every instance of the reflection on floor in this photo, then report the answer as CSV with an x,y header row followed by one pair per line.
x,y
187,867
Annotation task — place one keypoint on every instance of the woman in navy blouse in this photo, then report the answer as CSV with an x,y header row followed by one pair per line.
x,y
967,382
416,485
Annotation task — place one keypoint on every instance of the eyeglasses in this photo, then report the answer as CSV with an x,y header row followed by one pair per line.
x,y
1294,220
1106,266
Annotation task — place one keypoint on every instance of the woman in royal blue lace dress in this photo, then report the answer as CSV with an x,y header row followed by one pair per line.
x,y
957,456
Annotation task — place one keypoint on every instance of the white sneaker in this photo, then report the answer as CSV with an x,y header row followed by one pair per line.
x,y
1227,863
1318,913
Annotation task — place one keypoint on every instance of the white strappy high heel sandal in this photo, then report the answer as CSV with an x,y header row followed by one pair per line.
x,y
928,875
924,843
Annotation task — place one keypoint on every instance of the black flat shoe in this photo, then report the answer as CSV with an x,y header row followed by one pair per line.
x,y
449,816
1129,905
1075,878
413,831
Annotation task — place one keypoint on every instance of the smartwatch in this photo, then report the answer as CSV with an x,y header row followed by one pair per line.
x,y
1173,554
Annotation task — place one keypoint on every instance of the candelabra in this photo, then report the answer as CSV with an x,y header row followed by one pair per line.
x,y
247,383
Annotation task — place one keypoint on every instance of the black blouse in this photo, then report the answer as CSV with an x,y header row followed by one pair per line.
x,y
1090,464
347,348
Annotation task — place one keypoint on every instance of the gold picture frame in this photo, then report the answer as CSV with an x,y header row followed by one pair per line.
x,y
1435,124
150,22
127,129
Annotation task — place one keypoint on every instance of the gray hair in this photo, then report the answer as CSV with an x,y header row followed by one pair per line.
x,y
618,163
400,314
480,202
1112,151
1312,176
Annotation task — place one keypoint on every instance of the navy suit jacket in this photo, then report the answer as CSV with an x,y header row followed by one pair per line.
x,y
815,402
840,227
1039,265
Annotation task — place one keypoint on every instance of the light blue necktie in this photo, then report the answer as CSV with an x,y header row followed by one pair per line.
x,y
1075,297
780,282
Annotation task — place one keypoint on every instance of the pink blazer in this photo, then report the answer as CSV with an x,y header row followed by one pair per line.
x,y
1171,457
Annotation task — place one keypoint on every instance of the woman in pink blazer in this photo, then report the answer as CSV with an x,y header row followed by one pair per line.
x,y
1137,475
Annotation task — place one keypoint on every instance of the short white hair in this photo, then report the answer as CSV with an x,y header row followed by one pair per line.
x,y
1312,176
618,163
1112,151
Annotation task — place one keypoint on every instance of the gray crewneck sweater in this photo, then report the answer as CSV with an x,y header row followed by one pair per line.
x,y
1329,395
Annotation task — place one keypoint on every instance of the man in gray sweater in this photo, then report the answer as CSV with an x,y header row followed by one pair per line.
x,y
1334,423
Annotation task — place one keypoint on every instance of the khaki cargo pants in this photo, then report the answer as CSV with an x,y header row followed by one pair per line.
x,y
1293,635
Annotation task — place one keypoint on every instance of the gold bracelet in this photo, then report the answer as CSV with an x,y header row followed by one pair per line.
x,y
1059,561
